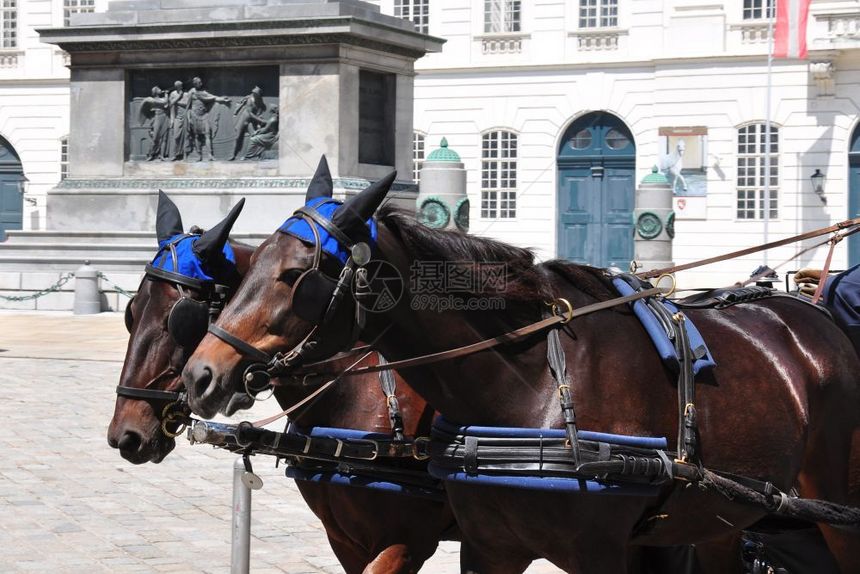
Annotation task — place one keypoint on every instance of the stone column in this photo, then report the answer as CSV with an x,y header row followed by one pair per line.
x,y
654,223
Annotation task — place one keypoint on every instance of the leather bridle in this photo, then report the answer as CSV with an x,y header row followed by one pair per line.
x,y
214,297
315,345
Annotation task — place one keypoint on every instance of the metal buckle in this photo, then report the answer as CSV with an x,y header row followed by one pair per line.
x,y
561,307
168,416
671,289
419,448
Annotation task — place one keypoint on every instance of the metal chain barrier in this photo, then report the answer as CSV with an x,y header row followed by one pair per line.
x,y
116,287
65,278
52,289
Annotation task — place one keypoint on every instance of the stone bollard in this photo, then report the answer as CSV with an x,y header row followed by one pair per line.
x,y
654,223
87,296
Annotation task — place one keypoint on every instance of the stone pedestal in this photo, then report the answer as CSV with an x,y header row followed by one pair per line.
x,y
338,73
654,223
442,201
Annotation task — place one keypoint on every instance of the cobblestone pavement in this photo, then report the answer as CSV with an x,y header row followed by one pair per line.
x,y
70,504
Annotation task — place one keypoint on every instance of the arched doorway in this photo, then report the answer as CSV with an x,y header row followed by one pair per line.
x,y
854,194
596,191
11,196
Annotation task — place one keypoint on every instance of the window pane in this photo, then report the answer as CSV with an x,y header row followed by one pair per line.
x,y
753,174
498,174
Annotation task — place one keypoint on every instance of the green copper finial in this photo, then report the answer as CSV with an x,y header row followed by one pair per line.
x,y
444,153
655,177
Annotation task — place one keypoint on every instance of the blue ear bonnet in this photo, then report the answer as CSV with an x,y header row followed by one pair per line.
x,y
298,227
188,262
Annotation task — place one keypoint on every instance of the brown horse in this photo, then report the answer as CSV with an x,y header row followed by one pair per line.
x,y
369,530
780,406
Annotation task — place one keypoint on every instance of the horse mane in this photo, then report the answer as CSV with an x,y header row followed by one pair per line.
x,y
525,281
593,281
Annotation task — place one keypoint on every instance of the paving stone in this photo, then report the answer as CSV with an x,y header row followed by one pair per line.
x,y
63,488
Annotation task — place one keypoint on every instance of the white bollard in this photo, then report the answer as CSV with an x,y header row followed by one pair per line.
x,y
87,296
240,556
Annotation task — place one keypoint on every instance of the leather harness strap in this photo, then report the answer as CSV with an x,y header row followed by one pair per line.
x,y
509,337
808,235
239,344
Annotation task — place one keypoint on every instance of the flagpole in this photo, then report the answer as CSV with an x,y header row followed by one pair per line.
x,y
770,17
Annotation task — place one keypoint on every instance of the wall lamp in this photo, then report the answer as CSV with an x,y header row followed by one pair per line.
x,y
818,180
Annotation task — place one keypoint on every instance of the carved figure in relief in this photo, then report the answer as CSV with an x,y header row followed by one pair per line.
x,y
264,138
154,109
248,115
671,165
202,128
177,104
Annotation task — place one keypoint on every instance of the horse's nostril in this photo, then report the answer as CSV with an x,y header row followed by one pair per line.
x,y
202,380
130,442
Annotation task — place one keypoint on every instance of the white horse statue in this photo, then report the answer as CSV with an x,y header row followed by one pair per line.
x,y
671,165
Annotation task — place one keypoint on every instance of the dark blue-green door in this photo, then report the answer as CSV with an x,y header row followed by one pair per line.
x,y
596,192
854,195
11,198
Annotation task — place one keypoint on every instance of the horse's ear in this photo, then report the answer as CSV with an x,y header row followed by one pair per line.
x,y
321,184
168,222
211,243
355,211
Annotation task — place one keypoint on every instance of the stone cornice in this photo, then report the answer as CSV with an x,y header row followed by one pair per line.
x,y
72,185
243,33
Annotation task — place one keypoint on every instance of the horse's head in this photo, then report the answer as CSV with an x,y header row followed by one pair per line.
x,y
184,284
681,147
296,298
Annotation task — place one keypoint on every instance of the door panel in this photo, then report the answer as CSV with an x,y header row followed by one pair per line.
x,y
596,192
853,206
11,203
576,214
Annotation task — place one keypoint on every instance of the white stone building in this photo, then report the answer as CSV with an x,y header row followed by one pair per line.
x,y
577,99
529,75
34,107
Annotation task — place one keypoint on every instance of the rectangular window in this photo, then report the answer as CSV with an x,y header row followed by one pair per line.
x,y
76,7
417,155
499,175
758,9
64,158
8,23
752,174
416,11
598,13
501,16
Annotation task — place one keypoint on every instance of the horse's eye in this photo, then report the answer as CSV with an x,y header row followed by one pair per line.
x,y
290,276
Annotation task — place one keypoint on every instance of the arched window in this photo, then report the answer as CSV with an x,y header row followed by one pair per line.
x,y
417,155
64,157
499,175
751,172
416,11
8,23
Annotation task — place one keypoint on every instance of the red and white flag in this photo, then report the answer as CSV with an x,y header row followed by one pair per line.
x,y
790,32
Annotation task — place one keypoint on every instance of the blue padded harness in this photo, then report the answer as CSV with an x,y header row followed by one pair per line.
x,y
188,264
665,347
441,466
300,228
